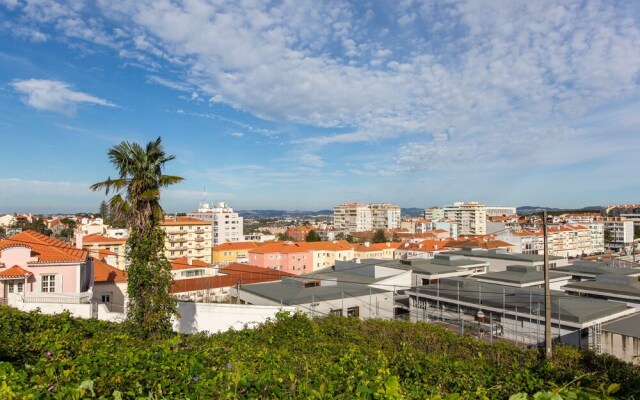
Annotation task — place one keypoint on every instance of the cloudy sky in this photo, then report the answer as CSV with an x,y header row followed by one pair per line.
x,y
301,104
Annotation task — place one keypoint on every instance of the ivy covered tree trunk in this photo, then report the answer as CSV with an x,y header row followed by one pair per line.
x,y
151,305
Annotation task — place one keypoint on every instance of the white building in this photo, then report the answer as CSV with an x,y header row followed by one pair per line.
x,y
471,217
352,217
385,216
434,213
621,231
498,211
227,225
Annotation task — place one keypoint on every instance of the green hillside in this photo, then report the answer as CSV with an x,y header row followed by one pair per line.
x,y
292,357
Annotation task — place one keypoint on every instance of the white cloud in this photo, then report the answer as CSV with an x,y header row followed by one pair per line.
x,y
48,95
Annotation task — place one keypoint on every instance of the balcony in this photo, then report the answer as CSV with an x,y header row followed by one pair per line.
x,y
199,255
176,232
57,298
200,239
178,240
199,231
179,248
200,247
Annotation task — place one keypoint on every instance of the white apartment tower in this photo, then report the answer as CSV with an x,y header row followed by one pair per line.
x,y
359,217
352,217
471,217
498,211
226,225
385,216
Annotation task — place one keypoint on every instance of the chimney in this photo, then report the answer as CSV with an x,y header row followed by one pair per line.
x,y
367,244
78,238
189,261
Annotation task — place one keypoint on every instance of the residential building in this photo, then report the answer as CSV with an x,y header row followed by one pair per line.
x,y
232,252
109,286
471,217
100,246
188,267
216,289
91,226
381,251
629,211
352,217
227,225
299,233
620,232
498,211
299,258
434,213
385,216
7,220
348,289
562,240
187,237
423,249
37,271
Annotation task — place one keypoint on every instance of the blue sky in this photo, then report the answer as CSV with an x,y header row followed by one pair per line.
x,y
306,104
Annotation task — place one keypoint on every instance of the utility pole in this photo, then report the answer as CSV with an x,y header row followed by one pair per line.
x,y
547,292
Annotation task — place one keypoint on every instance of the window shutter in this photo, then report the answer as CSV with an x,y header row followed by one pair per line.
x,y
38,287
58,280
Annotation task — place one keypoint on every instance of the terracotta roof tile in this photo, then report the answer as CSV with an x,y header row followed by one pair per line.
x,y
14,272
235,246
101,239
45,248
183,263
105,273
234,274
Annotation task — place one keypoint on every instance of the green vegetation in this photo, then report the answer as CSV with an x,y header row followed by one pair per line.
x,y
137,201
379,237
313,236
292,357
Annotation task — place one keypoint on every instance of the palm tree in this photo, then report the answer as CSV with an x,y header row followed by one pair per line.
x,y
137,200
140,177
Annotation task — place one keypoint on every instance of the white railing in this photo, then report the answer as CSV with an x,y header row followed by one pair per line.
x,y
58,298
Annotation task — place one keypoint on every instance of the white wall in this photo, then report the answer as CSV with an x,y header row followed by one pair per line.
x,y
211,317
76,310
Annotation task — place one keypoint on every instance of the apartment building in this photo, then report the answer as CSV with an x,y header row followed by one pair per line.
x,y
352,217
301,257
359,217
434,213
229,253
620,232
187,237
101,246
385,216
629,211
562,241
499,211
471,217
227,226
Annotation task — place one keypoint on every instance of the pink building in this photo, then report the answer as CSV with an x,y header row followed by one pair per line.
x,y
290,257
37,271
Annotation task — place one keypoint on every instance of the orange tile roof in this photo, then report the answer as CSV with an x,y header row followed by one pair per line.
x,y
172,221
280,247
183,263
101,253
105,273
45,248
96,238
377,246
14,272
235,273
425,245
235,246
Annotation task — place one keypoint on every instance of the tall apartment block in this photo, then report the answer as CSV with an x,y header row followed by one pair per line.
x,y
226,225
471,217
187,237
359,217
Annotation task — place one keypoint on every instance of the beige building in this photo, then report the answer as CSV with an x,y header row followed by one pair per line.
x,y
471,217
384,216
187,237
101,247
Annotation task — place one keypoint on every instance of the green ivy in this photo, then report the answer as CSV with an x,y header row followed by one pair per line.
x,y
290,357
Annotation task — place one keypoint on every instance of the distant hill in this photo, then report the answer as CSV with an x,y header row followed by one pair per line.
x,y
412,212
526,210
282,213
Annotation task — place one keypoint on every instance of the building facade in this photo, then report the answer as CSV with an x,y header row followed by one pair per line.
x,y
471,217
227,225
187,237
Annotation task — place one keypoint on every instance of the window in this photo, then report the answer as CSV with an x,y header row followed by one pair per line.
x,y
48,283
353,312
337,312
105,298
